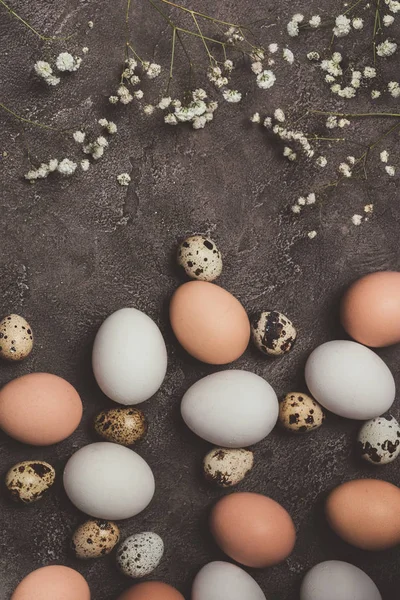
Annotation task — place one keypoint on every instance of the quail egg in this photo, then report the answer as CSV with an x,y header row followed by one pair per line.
x,y
300,413
95,538
200,258
379,440
27,481
16,338
227,466
123,426
273,333
140,554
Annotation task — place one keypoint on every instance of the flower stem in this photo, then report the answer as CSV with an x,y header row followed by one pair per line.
x,y
377,27
17,116
210,56
40,35
199,14
171,66
335,114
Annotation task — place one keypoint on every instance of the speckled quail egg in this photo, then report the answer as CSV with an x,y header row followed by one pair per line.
x,y
379,440
200,258
227,466
95,538
273,333
27,481
16,338
123,426
300,413
140,554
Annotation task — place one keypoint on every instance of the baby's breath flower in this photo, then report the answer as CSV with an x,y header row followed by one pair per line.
x,y
132,64
266,80
113,99
256,67
301,201
66,167
288,56
333,66
394,89
228,65
311,198
351,160
101,141
331,122
384,156
153,70
124,94
356,219
394,5
321,161
342,26
164,102
386,48
369,72
255,118
356,79
148,109
347,92
138,94
358,23
103,122
170,119
298,18
199,94
90,24
296,209
312,234
329,78
343,122
267,122
53,164
85,50
97,151
79,136
124,179
232,96
85,164
390,170
135,80
375,94
199,122
345,170
369,208
293,28
66,62
44,70
279,115
112,128
273,48
315,21
208,116
313,55
388,20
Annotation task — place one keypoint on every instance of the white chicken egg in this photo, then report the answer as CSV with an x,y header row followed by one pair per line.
x,y
337,580
108,481
221,580
231,409
129,357
350,380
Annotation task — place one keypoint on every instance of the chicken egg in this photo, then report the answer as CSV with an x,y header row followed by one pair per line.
x,y
52,583
223,581
151,590
337,580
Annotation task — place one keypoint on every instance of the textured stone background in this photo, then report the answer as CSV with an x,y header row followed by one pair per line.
x,y
73,251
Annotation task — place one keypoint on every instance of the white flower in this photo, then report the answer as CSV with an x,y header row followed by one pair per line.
x,y
85,50
164,102
351,160
388,20
170,119
53,164
347,92
266,80
44,70
279,115
103,122
298,18
313,55
345,170
113,99
184,114
255,118
293,28
79,136
321,161
199,94
138,94
332,66
124,94
296,209
256,67
85,164
199,107
301,201
273,48
369,208
66,62
228,65
342,26
394,5
208,116
132,64
356,79
153,70
390,170
337,58
97,152
90,24
232,96
369,72
212,107
315,21
331,122
386,48
384,156
148,109
289,153
111,128
288,56
343,122
356,219
135,80
199,122
66,167
101,141
329,78
267,122
311,198
394,89
312,234
358,23
124,179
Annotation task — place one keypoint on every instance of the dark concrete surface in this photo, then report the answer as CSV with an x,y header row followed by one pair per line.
x,y
73,251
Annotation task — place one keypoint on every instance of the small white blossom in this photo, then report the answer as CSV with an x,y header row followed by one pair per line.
x,y
386,48
135,80
331,122
44,70
85,50
153,71
390,170
266,80
375,94
301,201
394,89
315,21
53,164
228,65
369,72
321,161
164,102
85,164
90,24
199,122
343,122
256,67
298,18
356,79
351,160
384,156
296,209
388,20
279,115
66,62
124,94
358,23
103,122
273,48
232,96
255,118
101,141
79,136
212,107
312,234
311,198
289,153
97,152
345,170
293,28
393,5
148,109
66,167
313,55
342,27
267,122
199,94
208,116
329,78
347,92
356,219
112,128
170,119
332,66
369,208
257,54
288,56
138,94
113,99
124,179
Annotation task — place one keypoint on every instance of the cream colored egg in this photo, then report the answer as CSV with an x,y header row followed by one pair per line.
x,y
95,538
200,258
27,481
16,338
227,467
300,413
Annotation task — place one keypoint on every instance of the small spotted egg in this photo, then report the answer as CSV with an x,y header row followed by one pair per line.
x,y
140,554
27,481
379,440
300,413
95,538
123,426
200,258
16,338
227,466
273,333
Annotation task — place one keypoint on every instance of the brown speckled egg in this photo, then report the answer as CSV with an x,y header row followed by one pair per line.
x,y
121,425
95,538
273,333
27,481
200,258
300,413
16,338
227,466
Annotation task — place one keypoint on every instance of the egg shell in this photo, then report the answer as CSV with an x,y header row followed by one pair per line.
x,y
199,256
299,413
52,583
95,538
379,440
273,333
350,380
227,467
365,513
16,338
129,357
124,426
253,529
28,481
209,322
151,590
370,309
222,581
337,580
232,409
39,409
108,481
140,554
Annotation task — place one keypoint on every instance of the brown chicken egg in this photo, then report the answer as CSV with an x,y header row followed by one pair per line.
x,y
52,583
209,322
366,513
151,590
370,309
